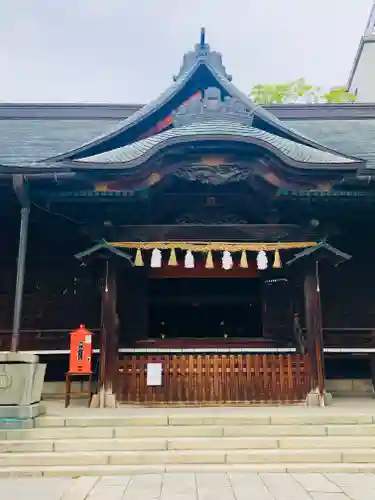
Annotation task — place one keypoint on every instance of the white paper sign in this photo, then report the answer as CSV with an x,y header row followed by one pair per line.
x,y
154,374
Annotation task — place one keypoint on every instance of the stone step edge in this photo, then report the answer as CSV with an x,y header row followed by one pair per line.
x,y
210,451
111,470
205,420
280,443
217,427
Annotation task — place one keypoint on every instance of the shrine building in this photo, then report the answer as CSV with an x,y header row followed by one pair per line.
x,y
227,244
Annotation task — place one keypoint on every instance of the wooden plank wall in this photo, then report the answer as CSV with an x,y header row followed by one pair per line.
x,y
210,379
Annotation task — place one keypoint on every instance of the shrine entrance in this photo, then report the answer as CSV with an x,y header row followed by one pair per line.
x,y
210,308
205,307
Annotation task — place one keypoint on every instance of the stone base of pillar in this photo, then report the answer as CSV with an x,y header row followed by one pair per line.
x,y
314,398
20,417
21,384
104,399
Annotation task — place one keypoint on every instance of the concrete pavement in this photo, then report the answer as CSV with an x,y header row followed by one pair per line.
x,y
190,486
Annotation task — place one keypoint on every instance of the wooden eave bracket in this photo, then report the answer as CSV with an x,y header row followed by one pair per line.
x,y
102,248
321,251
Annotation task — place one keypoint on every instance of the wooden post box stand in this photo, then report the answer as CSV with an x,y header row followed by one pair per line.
x,y
80,364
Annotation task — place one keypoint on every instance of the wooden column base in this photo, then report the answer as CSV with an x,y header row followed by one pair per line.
x,y
314,398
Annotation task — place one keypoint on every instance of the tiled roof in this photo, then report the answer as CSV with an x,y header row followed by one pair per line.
x,y
26,141
23,141
213,129
351,137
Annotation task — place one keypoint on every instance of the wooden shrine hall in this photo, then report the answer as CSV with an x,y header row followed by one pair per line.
x,y
217,254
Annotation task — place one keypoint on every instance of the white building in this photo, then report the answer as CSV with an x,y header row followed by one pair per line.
x,y
362,76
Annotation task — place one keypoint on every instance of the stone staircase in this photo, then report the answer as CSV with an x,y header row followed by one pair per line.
x,y
228,440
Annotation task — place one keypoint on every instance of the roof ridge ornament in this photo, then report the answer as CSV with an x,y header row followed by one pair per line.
x,y
203,37
212,107
202,52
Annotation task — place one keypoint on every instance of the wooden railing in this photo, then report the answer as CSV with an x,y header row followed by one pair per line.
x,y
211,379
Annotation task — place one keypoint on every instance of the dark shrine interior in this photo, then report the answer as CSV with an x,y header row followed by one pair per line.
x,y
205,308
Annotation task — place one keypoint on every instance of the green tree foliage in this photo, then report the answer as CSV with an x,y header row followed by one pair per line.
x,y
298,91
338,95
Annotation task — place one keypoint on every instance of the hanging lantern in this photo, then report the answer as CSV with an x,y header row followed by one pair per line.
x,y
227,261
209,261
262,261
172,258
189,260
277,261
156,258
243,262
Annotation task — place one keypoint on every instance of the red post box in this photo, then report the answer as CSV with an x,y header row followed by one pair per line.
x,y
80,351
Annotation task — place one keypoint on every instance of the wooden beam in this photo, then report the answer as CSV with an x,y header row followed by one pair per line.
x,y
216,232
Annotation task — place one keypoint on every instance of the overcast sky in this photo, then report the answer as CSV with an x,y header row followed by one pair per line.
x,y
128,50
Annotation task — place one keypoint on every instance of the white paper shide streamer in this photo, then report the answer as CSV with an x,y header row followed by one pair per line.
x,y
189,260
262,261
227,261
156,258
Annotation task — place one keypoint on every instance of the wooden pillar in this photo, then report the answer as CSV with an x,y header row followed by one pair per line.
x,y
313,316
108,339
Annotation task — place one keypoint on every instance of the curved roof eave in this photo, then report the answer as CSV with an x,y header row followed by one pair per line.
x,y
270,119
142,157
172,91
38,169
134,119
